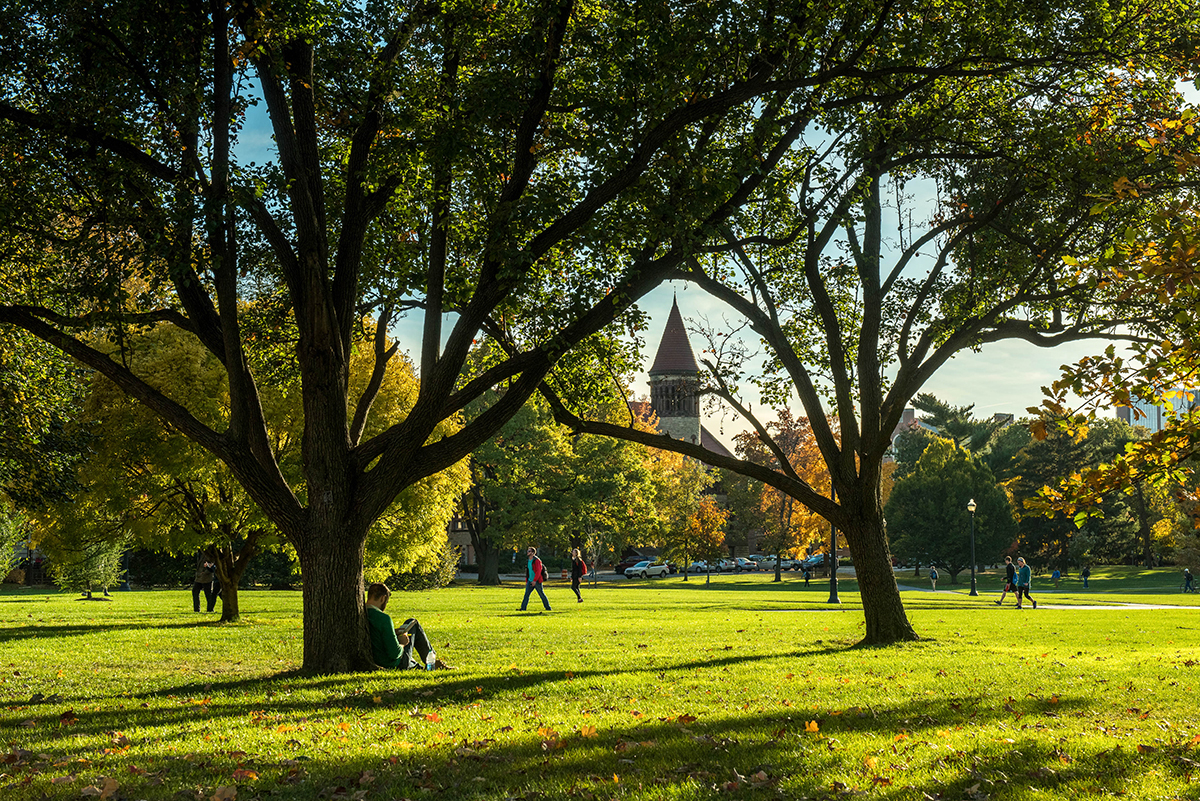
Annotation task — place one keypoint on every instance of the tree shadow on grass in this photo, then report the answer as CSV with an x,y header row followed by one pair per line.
x,y
28,632
398,752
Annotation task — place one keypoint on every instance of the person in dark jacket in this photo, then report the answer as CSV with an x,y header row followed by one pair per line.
x,y
206,574
579,569
1010,579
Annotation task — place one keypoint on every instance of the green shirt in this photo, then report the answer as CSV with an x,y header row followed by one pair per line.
x,y
384,646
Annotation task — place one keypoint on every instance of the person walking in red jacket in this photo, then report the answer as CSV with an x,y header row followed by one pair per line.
x,y
579,569
535,574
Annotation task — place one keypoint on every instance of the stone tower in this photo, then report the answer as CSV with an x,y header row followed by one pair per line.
x,y
674,382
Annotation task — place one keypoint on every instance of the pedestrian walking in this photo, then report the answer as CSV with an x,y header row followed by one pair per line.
x,y
535,574
1010,580
1188,586
1056,576
579,569
933,577
1087,572
202,581
1024,577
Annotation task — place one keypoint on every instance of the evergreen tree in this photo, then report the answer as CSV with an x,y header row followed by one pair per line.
x,y
927,517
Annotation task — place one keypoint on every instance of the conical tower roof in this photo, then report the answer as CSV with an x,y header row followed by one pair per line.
x,y
674,351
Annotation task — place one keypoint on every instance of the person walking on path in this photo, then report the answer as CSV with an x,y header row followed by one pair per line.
x,y
203,581
1087,572
1056,575
535,574
1188,586
933,577
578,571
1010,579
1024,576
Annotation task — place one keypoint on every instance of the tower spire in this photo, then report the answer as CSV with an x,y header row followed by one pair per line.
x,y
675,381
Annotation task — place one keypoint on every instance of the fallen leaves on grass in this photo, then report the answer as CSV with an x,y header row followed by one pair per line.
x,y
108,787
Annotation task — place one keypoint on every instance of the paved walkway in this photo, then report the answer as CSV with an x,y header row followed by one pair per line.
x,y
848,572
1049,605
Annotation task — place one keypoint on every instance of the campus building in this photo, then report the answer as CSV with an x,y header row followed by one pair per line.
x,y
675,387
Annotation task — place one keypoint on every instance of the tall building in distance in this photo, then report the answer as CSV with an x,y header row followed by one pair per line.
x,y
675,385
1155,417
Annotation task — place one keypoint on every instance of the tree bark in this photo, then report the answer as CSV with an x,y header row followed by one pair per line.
x,y
230,569
335,626
882,607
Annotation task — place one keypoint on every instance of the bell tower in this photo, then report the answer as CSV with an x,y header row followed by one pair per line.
x,y
675,381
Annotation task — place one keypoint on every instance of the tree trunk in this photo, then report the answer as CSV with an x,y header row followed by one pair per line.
x,y
488,555
1145,532
230,569
883,609
230,609
335,625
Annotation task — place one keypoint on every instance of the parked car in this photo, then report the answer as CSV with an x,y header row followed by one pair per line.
x,y
766,563
787,563
745,564
698,567
646,569
815,562
627,563
725,566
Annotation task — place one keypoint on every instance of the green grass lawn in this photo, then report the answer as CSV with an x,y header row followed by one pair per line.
x,y
656,690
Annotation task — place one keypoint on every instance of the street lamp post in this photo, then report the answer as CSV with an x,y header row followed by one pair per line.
x,y
971,509
833,560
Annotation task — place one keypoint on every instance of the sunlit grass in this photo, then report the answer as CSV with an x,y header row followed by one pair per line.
x,y
644,691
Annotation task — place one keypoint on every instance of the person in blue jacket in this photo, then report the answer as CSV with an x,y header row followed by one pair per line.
x,y
1024,576
535,574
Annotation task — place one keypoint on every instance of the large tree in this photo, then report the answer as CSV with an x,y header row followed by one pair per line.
x,y
148,485
531,168
955,215
536,168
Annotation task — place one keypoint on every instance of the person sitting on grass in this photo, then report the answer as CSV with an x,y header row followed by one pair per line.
x,y
392,647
